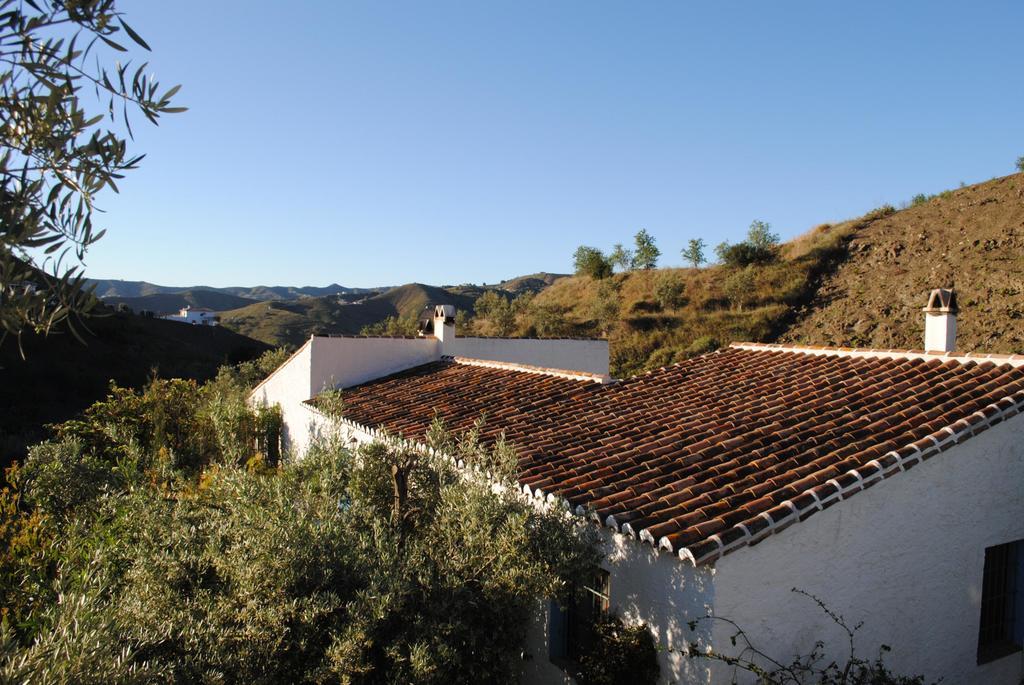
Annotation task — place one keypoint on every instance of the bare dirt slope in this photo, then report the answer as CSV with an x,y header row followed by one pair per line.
x,y
971,239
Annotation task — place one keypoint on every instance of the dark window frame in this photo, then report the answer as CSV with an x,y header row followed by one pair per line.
x,y
570,622
1001,621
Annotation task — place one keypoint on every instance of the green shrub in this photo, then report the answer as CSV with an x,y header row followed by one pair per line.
x,y
386,567
645,252
668,290
58,478
739,287
661,357
498,312
589,261
880,212
606,305
760,235
619,655
548,321
702,345
393,326
745,254
167,414
621,257
694,252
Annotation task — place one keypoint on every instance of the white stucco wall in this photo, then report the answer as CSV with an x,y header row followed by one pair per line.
x,y
905,557
647,586
289,387
568,354
344,362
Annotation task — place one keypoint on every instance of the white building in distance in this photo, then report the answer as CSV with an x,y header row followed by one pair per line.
x,y
197,317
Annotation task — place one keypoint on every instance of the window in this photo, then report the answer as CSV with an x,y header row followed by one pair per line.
x,y
1001,630
571,623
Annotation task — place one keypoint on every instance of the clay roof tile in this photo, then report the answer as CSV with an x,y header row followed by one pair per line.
x,y
698,453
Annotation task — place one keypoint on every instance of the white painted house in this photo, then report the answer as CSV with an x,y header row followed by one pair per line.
x,y
889,483
195,316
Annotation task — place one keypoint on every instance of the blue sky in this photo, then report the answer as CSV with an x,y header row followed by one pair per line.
x,y
373,143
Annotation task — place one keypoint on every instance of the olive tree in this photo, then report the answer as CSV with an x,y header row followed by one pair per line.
x,y
646,253
694,252
621,257
61,113
388,565
498,311
590,261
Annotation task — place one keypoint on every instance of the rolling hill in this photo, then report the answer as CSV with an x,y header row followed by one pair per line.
x,y
290,323
971,238
860,282
531,283
857,282
115,288
169,303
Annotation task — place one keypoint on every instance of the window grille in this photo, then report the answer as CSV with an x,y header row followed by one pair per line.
x,y
1000,628
571,625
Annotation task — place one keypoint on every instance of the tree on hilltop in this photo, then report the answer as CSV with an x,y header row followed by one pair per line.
x,y
646,253
760,235
621,257
694,252
760,247
590,261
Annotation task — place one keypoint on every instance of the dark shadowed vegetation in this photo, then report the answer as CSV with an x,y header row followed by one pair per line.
x,y
162,536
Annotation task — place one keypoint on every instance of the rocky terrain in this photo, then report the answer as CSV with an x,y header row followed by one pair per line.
x,y
971,238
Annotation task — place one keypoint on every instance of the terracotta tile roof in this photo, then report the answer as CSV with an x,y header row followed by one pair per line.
x,y
718,451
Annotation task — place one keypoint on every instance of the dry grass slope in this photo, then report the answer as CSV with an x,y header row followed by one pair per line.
x,y
971,239
720,304
861,283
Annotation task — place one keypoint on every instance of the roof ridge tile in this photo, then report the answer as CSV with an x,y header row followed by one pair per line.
x,y
1014,360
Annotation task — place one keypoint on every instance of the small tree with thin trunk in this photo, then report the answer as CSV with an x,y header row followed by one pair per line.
x,y
694,252
646,254
761,237
621,257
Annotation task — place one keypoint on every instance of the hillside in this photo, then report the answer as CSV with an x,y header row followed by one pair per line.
x,y
170,303
971,239
718,304
60,376
861,282
531,283
290,323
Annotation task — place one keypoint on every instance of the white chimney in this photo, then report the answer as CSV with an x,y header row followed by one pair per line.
x,y
444,324
940,321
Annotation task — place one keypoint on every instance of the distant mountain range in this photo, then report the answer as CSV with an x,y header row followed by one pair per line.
x,y
108,289
287,315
